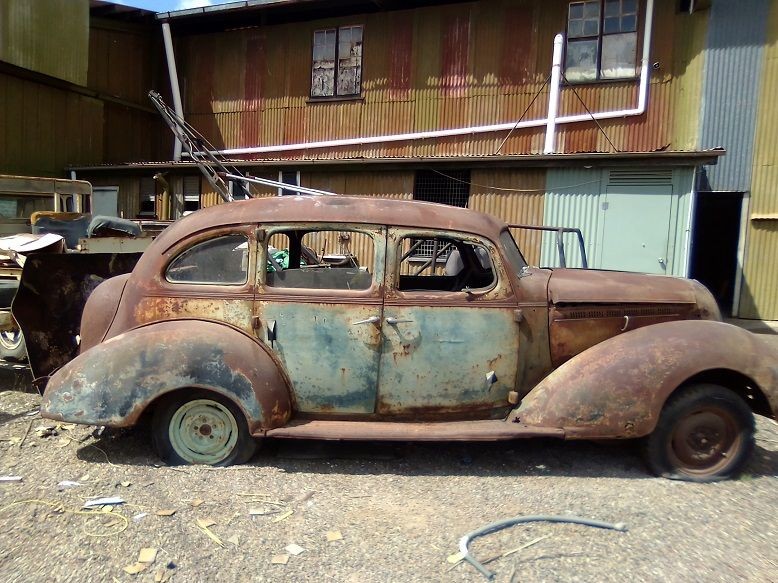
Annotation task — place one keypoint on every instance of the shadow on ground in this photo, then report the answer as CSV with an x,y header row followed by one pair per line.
x,y
530,457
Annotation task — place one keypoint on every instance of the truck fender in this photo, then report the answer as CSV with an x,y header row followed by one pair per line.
x,y
616,389
114,382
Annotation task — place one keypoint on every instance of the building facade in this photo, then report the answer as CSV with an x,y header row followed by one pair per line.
x,y
453,102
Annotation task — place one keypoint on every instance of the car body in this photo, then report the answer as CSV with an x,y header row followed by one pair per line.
x,y
431,327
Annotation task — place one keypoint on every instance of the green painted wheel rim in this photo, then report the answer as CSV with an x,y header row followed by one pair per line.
x,y
203,432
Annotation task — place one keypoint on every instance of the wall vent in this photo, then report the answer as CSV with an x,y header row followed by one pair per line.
x,y
628,177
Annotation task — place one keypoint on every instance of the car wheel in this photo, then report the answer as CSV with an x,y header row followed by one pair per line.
x,y
12,345
705,433
198,427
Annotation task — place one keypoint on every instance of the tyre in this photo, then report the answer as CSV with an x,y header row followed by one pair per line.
x,y
12,345
199,427
705,433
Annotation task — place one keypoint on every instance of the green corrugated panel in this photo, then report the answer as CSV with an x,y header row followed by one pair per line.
x,y
47,36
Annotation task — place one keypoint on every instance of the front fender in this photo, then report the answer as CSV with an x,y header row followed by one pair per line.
x,y
113,383
617,388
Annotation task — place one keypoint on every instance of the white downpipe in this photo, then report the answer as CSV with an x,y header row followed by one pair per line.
x,y
174,87
553,95
621,113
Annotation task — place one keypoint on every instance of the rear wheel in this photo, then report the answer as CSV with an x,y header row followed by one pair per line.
x,y
198,427
705,433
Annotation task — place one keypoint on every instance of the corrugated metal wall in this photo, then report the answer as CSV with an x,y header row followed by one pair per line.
x,y
520,202
430,68
734,53
43,129
47,36
572,200
758,298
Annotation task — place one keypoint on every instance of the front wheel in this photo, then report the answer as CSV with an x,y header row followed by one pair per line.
x,y
12,345
198,427
705,433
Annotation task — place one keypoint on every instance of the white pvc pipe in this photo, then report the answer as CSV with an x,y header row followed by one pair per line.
x,y
174,87
621,113
553,95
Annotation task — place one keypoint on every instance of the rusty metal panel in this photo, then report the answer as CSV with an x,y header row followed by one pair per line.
x,y
523,203
47,36
760,280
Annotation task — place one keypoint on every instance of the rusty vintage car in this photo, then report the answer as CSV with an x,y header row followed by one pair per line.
x,y
430,327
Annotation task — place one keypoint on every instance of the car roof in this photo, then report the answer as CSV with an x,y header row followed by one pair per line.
x,y
333,209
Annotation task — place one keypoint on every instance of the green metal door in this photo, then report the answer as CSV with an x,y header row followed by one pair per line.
x,y
637,229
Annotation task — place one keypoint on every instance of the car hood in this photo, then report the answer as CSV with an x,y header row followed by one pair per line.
x,y
574,286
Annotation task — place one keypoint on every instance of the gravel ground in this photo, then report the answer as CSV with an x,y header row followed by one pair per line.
x,y
400,509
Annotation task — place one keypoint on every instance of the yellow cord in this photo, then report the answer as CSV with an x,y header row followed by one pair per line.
x,y
122,524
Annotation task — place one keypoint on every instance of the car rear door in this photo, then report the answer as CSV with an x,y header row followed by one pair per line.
x,y
322,320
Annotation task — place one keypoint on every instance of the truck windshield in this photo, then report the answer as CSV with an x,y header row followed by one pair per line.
x,y
512,252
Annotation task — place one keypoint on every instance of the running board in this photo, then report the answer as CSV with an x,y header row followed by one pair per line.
x,y
488,430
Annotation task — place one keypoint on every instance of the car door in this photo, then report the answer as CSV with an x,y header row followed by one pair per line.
x,y
451,340
318,308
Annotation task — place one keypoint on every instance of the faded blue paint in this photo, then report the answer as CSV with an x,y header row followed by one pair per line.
x,y
440,358
331,362
734,54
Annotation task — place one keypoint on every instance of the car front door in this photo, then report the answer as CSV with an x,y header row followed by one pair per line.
x,y
451,340
318,308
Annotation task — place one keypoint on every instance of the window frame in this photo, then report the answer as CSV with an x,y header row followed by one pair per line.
x,y
499,288
377,264
601,34
185,246
335,96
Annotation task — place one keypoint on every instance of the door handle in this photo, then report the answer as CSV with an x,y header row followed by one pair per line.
x,y
391,320
370,320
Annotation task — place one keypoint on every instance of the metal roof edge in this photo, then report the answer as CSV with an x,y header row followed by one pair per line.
x,y
227,7
665,157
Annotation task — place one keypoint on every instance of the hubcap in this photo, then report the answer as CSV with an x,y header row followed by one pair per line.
x,y
704,441
11,339
203,431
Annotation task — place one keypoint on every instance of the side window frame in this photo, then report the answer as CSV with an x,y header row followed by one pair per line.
x,y
181,247
377,270
499,289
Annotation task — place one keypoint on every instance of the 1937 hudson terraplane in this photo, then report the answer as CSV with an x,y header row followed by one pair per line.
x,y
362,318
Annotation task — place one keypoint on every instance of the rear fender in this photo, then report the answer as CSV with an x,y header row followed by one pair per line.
x,y
617,388
114,382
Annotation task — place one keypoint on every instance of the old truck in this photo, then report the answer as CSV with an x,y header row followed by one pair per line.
x,y
438,331
48,233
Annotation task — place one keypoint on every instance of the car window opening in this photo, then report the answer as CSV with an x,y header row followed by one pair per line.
x,y
444,264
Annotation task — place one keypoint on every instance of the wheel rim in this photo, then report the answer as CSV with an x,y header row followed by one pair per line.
x,y
11,339
705,441
203,432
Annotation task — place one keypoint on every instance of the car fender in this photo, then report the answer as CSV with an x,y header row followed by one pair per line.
x,y
114,382
616,389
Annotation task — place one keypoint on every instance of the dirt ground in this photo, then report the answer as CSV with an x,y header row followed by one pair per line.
x,y
397,511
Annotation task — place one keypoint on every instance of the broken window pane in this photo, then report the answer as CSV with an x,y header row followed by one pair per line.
x,y
323,74
350,60
619,52
581,62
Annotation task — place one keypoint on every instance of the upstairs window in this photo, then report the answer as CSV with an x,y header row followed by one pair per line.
x,y
337,62
601,40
